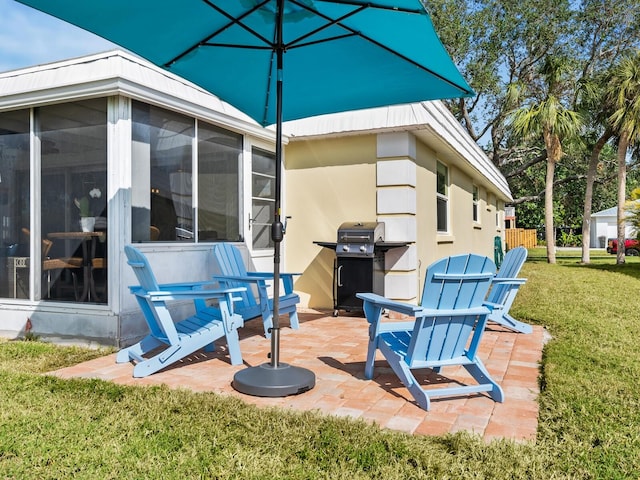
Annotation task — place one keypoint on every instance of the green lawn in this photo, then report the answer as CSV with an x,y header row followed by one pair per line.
x,y
589,409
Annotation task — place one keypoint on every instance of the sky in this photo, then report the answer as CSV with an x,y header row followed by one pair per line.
x,y
29,37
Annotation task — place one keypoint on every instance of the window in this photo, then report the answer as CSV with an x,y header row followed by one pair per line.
x,y
219,159
161,193
72,202
442,186
163,186
476,209
263,188
14,203
73,145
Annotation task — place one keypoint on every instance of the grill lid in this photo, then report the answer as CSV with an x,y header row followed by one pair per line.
x,y
359,238
361,232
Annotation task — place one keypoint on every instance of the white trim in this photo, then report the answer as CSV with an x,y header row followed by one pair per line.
x,y
35,216
118,193
119,73
430,121
475,189
444,196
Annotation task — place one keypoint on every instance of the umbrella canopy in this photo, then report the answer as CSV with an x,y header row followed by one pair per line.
x,y
338,55
335,55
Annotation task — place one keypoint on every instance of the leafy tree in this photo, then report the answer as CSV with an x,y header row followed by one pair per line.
x,y
606,30
554,122
599,132
497,43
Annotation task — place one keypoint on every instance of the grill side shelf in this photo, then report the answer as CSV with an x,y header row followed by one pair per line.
x,y
384,246
331,245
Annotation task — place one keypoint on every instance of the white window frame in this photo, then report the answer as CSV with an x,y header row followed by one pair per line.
x,y
475,194
442,197
254,199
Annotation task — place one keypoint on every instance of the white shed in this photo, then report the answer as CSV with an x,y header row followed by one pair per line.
x,y
604,225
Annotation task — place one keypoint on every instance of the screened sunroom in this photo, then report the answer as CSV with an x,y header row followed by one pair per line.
x,y
106,150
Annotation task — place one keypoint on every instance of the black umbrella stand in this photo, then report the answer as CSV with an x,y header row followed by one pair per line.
x,y
275,379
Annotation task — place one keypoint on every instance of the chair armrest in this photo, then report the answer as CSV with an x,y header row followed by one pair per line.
x,y
259,279
186,286
493,306
269,275
382,302
434,312
463,276
240,278
417,310
510,281
167,295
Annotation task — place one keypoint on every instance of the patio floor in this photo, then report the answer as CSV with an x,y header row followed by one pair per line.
x,y
335,350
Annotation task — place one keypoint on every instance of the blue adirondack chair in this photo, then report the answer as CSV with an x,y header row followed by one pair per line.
x,y
187,336
233,273
446,330
504,288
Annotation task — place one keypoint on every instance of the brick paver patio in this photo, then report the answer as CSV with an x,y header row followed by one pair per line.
x,y
335,349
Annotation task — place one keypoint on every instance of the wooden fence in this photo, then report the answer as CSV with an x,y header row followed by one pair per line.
x,y
516,237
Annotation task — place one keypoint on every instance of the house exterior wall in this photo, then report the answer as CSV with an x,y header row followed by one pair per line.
x,y
464,235
328,182
386,177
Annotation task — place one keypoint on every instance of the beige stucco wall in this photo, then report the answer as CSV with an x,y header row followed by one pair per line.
x,y
328,182
333,180
464,234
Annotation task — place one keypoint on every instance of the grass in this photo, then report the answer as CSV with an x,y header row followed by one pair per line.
x,y
590,405
589,409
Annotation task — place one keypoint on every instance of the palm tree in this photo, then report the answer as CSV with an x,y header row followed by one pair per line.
x,y
623,94
551,120
591,93
588,194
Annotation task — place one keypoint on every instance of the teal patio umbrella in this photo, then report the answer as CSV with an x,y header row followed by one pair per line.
x,y
333,55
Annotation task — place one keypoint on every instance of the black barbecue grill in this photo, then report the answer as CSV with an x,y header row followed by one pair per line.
x,y
359,262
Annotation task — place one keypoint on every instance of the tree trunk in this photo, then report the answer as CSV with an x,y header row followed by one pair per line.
x,y
588,194
623,144
554,154
549,230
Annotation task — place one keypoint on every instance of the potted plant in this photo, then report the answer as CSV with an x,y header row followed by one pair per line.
x,y
87,218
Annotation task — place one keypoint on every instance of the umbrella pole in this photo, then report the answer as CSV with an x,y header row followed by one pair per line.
x,y
277,230
275,379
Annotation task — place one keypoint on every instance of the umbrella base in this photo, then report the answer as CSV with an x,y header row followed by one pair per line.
x,y
268,381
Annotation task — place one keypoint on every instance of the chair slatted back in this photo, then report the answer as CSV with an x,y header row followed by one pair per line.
x,y
141,267
510,268
156,312
452,284
230,262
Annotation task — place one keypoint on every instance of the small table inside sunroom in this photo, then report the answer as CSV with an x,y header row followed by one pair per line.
x,y
88,240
